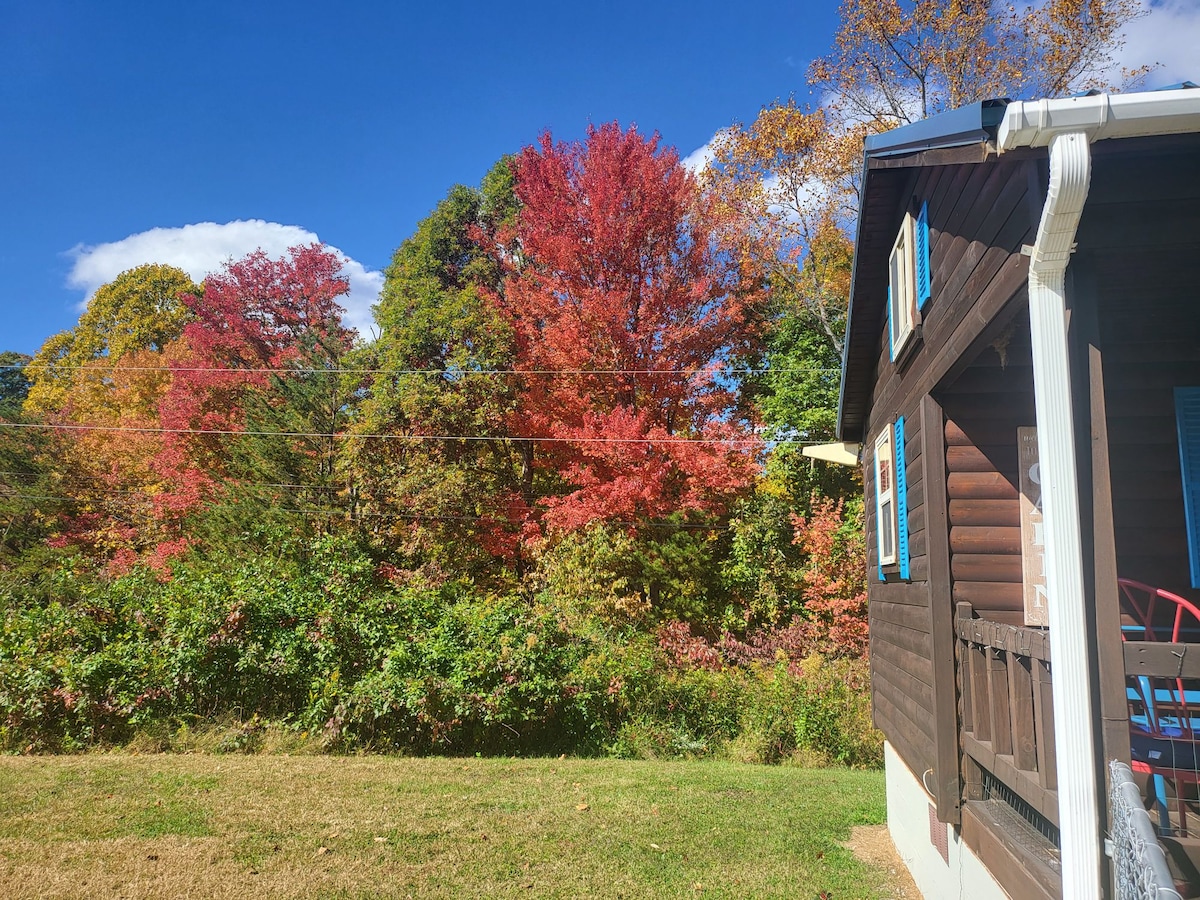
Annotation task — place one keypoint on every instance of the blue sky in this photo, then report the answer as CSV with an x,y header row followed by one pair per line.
x,y
121,122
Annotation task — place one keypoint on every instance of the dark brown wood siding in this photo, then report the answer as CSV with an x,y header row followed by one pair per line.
x,y
1140,240
979,215
984,407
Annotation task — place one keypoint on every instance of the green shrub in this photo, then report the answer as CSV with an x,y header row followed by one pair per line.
x,y
322,651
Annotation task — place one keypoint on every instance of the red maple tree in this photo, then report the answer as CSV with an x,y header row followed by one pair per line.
x,y
627,299
254,320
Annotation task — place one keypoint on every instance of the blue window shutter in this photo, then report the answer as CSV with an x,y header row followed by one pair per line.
x,y
1187,420
924,285
901,501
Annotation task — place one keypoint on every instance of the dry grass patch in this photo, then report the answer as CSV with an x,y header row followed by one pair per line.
x,y
279,826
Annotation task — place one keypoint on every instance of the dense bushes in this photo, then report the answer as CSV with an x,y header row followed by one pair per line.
x,y
327,646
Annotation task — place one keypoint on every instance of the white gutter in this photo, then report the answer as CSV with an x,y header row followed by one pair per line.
x,y
1067,127
1034,123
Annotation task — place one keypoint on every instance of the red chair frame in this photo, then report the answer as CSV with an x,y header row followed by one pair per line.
x,y
1172,717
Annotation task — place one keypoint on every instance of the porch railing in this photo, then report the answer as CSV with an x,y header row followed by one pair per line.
x,y
1006,716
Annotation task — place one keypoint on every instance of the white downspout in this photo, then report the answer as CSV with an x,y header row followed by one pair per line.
x,y
1078,807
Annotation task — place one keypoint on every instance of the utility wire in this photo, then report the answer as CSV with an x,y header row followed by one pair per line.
x,y
395,437
95,479
430,517
450,371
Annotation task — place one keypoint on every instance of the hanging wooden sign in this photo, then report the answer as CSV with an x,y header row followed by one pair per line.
x,y
1033,538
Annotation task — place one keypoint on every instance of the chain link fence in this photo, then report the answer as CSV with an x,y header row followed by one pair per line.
x,y
1141,864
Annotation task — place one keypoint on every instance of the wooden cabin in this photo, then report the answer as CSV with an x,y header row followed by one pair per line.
x,y
1022,372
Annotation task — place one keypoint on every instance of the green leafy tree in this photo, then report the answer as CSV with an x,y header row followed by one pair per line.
x,y
455,505
14,383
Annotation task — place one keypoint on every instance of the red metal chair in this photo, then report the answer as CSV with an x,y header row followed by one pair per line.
x,y
1164,716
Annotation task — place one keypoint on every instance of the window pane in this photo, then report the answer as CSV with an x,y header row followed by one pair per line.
x,y
887,528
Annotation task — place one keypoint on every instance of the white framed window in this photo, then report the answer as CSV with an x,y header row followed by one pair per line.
x,y
885,497
902,287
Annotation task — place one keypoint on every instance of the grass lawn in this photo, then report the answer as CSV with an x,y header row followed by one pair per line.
x,y
324,826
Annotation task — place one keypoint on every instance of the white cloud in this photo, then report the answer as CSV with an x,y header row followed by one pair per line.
x,y
204,247
697,161
1168,36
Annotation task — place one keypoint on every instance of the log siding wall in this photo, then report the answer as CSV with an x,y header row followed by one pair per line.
x,y
1140,243
979,216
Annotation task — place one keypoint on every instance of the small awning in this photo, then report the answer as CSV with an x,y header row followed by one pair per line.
x,y
842,453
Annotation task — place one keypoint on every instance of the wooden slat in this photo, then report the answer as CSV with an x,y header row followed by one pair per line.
x,y
980,702
985,539
991,458
1006,595
980,432
899,729
1020,870
916,721
980,486
1043,713
901,683
991,513
986,567
913,670
1095,491
998,691
1024,741
900,592
908,616
1168,660
917,642
962,670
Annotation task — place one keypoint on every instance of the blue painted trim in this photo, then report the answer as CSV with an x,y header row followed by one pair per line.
x,y
921,258
1187,423
901,501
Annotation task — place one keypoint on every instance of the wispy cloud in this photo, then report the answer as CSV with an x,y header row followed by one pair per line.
x,y
1168,37
204,247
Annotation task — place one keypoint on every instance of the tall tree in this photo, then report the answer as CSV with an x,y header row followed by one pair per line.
x,y
259,357
794,170
140,309
626,300
896,61
438,477
794,174
14,383
106,376
28,504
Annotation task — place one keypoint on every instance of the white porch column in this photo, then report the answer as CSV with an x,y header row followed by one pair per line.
x,y
1078,808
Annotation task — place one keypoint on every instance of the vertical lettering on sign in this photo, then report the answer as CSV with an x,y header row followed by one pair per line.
x,y
1033,539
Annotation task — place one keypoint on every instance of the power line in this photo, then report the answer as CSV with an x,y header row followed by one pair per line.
x,y
451,371
94,479
360,514
399,437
